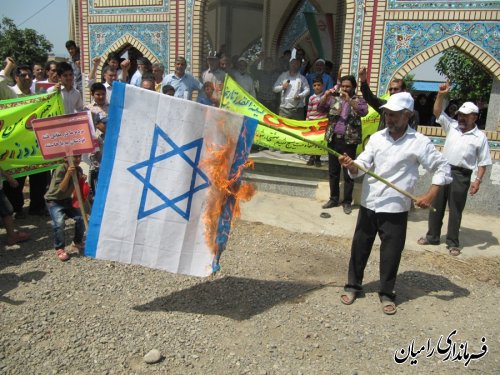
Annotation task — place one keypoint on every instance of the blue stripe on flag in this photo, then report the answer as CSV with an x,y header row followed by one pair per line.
x,y
245,141
108,160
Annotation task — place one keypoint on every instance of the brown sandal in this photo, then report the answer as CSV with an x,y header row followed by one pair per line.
x,y
349,299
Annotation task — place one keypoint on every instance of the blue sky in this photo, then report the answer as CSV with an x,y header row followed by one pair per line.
x,y
51,21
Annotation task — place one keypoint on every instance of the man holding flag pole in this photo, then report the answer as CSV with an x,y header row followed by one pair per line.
x,y
394,154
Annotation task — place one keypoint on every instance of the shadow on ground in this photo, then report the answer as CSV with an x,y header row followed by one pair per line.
x,y
232,297
411,285
10,281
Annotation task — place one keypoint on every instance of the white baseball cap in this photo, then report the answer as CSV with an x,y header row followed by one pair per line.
x,y
468,107
399,102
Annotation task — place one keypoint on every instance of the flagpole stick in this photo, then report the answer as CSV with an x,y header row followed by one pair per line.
x,y
335,153
76,184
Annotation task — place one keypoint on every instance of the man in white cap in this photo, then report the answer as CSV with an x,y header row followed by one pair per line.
x,y
395,154
465,148
214,74
294,89
243,78
319,70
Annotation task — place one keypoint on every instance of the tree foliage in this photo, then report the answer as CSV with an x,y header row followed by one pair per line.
x,y
26,46
469,80
409,80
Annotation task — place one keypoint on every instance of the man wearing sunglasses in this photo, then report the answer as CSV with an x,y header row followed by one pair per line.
x,y
395,86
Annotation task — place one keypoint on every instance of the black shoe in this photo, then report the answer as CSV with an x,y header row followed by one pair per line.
x,y
310,161
317,163
347,208
331,203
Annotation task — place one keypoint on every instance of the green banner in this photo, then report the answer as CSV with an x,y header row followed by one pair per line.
x,y
236,99
19,151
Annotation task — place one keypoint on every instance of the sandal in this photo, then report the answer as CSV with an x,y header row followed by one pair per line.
x,y
17,238
388,307
425,241
454,251
348,298
62,255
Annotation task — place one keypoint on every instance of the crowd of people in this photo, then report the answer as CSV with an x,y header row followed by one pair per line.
x,y
293,88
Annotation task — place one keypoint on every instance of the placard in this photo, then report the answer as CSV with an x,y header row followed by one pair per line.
x,y
65,135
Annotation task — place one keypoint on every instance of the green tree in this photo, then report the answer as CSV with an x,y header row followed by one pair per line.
x,y
408,80
469,80
24,45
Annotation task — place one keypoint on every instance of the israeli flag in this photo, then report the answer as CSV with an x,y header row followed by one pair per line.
x,y
152,192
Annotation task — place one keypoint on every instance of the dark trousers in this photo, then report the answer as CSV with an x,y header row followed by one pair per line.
x,y
15,195
38,188
391,228
334,169
455,195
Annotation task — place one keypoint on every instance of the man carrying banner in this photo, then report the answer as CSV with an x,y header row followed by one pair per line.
x,y
394,154
38,182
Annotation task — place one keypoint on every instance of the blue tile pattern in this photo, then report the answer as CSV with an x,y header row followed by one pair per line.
x,y
154,36
297,26
443,4
404,40
94,10
356,39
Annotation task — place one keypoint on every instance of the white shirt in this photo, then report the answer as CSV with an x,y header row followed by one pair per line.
x,y
467,149
298,86
398,162
72,100
245,81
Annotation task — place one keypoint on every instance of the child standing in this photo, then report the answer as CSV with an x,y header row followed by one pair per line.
x,y
71,97
59,203
314,114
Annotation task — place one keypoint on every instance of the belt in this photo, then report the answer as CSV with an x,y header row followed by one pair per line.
x,y
461,169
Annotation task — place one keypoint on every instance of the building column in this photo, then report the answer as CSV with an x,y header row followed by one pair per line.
x,y
492,121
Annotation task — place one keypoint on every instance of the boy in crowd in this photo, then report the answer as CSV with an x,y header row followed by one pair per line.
x,y
168,90
313,113
71,97
59,204
99,110
206,96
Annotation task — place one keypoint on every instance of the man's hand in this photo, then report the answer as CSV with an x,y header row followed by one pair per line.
x,y
425,201
96,60
346,162
57,86
444,88
474,187
362,75
285,85
125,65
344,95
71,170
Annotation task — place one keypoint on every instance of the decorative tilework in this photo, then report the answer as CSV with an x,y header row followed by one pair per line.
x,y
297,27
127,10
404,40
153,36
443,4
357,30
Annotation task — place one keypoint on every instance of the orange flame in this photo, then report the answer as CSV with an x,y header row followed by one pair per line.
x,y
217,166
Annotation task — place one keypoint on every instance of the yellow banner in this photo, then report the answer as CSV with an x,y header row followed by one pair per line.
x,y
19,151
236,99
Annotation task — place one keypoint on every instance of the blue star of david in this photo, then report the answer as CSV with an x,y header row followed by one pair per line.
x,y
169,202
